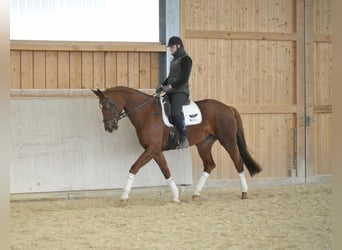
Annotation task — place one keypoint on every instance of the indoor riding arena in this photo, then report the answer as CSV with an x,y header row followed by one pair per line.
x,y
270,59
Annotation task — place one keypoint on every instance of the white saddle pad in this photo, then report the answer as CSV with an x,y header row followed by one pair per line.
x,y
192,114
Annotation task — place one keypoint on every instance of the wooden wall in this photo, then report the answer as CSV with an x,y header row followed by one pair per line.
x,y
319,68
251,54
78,65
271,59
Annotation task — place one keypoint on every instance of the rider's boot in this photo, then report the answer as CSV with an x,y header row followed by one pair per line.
x,y
180,125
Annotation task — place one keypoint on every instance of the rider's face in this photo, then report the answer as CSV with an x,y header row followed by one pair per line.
x,y
173,48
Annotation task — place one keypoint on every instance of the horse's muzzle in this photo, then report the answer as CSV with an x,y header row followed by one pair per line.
x,y
110,128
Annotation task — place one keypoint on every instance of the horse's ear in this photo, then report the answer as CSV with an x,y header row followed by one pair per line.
x,y
98,92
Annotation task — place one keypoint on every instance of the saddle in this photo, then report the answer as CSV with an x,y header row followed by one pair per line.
x,y
192,116
192,113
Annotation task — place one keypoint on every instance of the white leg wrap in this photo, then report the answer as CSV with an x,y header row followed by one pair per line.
x,y
128,186
201,183
243,183
174,189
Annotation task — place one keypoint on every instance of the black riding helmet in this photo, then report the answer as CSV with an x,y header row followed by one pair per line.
x,y
174,41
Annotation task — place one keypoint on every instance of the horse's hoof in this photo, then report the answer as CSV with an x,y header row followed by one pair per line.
x,y
195,197
175,200
123,201
244,196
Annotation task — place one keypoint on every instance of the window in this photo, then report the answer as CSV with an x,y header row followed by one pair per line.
x,y
85,20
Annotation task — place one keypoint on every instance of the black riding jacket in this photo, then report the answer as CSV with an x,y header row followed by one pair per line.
x,y
180,69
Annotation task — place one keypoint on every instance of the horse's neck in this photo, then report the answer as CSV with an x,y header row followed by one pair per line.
x,y
131,101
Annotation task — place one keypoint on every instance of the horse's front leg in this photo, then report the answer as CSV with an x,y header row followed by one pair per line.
x,y
144,158
160,159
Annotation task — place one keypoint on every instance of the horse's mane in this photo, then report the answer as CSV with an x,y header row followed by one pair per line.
x,y
126,89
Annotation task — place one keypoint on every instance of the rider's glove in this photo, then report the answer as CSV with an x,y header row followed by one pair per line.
x,y
159,89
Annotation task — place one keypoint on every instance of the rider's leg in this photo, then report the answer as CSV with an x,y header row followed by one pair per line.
x,y
177,101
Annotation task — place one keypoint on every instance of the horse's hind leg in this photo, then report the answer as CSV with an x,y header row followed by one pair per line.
x,y
204,150
160,159
231,147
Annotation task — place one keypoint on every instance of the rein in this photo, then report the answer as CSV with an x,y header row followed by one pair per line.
x,y
125,114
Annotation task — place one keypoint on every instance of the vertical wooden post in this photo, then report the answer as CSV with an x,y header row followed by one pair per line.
x,y
300,88
309,84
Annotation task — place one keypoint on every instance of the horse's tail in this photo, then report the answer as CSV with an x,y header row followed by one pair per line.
x,y
252,166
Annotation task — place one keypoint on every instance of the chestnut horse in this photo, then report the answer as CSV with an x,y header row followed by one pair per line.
x,y
220,122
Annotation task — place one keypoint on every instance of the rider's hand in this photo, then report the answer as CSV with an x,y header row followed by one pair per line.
x,y
159,89
166,88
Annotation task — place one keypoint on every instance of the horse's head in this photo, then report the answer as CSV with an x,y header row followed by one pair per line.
x,y
110,111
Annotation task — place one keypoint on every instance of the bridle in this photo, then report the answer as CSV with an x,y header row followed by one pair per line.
x,y
112,107
118,116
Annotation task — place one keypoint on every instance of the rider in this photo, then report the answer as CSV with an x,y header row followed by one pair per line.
x,y
176,86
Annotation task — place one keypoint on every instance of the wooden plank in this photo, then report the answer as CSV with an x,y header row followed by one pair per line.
x,y
265,74
266,109
63,70
320,125
75,70
99,70
145,70
30,93
318,69
51,70
251,68
234,35
232,15
322,109
213,72
26,69
133,70
221,66
322,146
87,70
268,92
199,74
183,18
110,72
322,16
322,38
122,68
20,93
39,69
322,73
15,69
154,70
86,46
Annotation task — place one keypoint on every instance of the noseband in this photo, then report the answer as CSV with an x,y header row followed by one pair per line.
x,y
112,107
